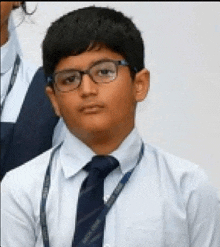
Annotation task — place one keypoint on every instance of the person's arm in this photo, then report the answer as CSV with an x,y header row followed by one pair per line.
x,y
203,211
17,222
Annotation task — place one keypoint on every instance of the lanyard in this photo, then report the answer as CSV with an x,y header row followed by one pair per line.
x,y
86,240
13,79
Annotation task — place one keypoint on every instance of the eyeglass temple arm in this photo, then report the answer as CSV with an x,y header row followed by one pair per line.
x,y
125,63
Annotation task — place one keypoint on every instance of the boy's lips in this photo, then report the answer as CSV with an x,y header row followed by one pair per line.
x,y
91,107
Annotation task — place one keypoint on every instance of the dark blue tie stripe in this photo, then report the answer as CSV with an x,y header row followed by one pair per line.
x,y
88,216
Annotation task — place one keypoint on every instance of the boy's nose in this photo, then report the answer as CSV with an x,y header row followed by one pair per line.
x,y
88,86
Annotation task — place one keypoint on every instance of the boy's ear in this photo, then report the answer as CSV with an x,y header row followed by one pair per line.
x,y
51,95
142,84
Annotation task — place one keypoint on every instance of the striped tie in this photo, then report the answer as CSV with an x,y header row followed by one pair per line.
x,y
90,201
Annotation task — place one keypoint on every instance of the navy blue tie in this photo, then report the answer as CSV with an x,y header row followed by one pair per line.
x,y
90,201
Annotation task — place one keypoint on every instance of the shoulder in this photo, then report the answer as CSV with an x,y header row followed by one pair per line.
x,y
174,163
27,176
177,173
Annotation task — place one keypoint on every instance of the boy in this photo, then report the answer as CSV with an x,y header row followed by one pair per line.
x,y
94,60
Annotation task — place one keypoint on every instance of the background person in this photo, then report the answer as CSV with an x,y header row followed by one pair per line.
x,y
27,119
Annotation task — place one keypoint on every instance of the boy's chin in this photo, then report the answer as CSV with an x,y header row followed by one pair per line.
x,y
90,131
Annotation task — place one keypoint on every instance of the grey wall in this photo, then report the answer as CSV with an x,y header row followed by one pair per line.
x,y
182,111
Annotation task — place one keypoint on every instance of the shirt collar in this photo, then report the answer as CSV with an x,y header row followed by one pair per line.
x,y
129,150
8,55
74,154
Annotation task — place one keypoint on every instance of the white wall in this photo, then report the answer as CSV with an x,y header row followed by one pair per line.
x,y
182,111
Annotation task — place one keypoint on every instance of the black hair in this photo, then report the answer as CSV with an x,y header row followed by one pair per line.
x,y
87,28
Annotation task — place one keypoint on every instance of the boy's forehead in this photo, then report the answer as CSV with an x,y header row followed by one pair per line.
x,y
87,58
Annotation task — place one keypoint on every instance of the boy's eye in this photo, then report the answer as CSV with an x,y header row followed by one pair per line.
x,y
70,80
105,72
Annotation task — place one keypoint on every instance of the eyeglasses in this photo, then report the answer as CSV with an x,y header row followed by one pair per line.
x,y
103,71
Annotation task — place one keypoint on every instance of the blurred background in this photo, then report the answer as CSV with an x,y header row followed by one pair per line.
x,y
182,51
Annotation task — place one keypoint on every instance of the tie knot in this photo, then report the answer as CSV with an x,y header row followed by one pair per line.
x,y
103,164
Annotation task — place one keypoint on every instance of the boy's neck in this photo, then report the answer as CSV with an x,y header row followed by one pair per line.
x,y
104,143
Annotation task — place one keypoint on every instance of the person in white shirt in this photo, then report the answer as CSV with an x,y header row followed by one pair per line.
x,y
26,130
94,60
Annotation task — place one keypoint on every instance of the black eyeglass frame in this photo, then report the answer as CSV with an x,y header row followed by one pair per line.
x,y
51,79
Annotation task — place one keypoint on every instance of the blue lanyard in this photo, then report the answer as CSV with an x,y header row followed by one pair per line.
x,y
13,79
86,240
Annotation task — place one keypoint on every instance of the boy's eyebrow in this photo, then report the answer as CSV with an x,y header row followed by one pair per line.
x,y
93,62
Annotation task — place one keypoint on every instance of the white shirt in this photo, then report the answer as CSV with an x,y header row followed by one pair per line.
x,y
168,201
25,75
14,100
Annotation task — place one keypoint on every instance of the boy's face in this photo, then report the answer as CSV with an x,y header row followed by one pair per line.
x,y
93,108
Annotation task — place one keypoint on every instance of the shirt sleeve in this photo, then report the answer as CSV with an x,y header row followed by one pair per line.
x,y
17,221
203,211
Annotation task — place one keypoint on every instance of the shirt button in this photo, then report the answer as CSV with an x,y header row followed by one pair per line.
x,y
106,197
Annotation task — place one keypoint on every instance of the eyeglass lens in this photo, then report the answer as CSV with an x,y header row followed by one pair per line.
x,y
102,72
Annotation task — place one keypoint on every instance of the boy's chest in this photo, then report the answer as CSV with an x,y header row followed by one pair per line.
x,y
141,216
144,218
